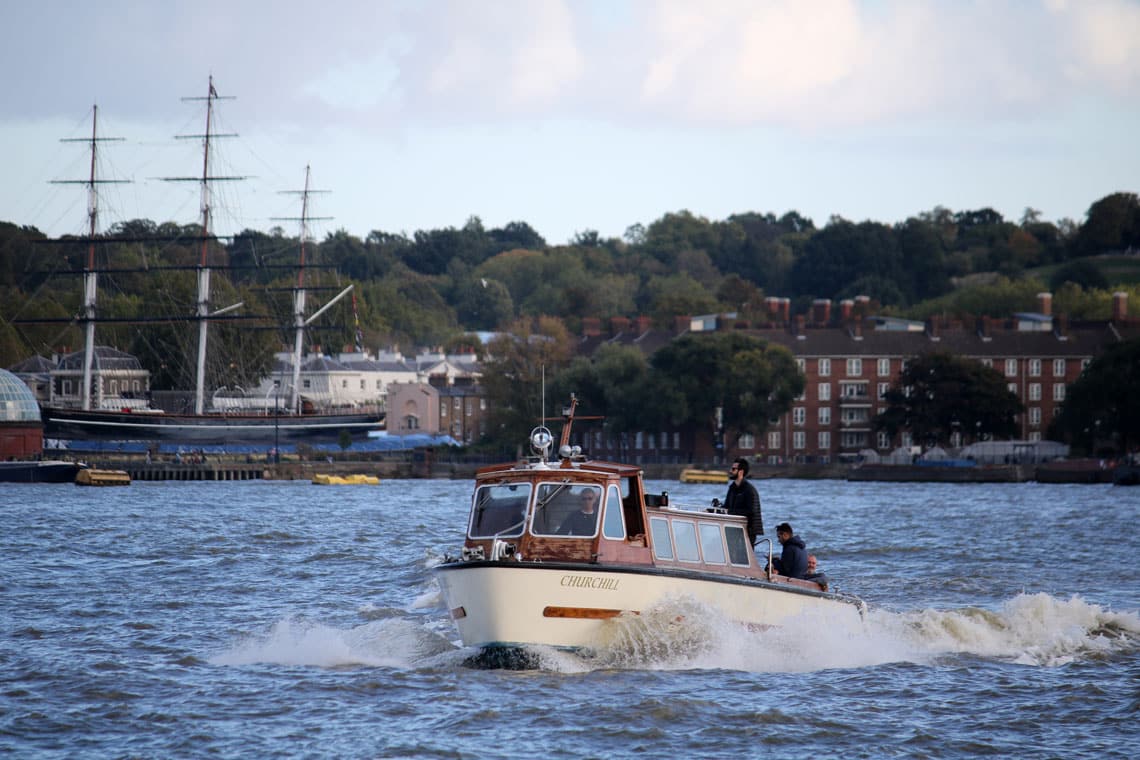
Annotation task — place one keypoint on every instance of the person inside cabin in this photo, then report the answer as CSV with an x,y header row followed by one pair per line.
x,y
814,573
743,499
793,559
582,521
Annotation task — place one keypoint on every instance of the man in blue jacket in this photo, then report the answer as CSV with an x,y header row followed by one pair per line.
x,y
793,559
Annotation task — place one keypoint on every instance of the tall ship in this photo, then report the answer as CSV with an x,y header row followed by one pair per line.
x,y
281,415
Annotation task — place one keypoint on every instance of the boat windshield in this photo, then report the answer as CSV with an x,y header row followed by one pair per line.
x,y
499,511
565,510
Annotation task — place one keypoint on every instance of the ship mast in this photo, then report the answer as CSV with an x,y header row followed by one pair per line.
x,y
90,277
299,321
202,310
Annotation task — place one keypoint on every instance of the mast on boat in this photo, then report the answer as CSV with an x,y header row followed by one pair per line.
x,y
299,321
202,311
90,276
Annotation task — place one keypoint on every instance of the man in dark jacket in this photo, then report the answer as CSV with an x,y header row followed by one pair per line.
x,y
742,499
793,560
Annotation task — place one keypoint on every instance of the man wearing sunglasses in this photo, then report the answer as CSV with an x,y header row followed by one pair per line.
x,y
742,498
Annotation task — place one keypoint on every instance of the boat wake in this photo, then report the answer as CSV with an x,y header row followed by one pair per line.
x,y
1029,629
390,641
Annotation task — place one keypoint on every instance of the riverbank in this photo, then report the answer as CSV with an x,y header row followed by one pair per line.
x,y
427,465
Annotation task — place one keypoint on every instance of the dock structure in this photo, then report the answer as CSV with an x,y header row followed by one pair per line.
x,y
195,471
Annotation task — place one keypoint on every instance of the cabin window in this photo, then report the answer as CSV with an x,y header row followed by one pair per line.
x,y
685,537
499,511
662,543
712,545
564,510
737,544
613,526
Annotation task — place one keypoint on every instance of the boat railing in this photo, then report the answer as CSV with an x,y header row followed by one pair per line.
x,y
768,570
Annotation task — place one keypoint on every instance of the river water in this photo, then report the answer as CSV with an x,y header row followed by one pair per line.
x,y
256,619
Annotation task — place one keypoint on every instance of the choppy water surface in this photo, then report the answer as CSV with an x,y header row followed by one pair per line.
x,y
285,619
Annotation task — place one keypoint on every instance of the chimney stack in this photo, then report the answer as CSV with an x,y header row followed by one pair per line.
x,y
1045,304
591,326
846,308
786,310
643,324
821,311
618,325
1119,306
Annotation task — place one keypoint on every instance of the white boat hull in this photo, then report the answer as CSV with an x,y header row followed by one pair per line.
x,y
507,604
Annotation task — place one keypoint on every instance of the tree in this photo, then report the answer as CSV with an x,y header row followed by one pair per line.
x,y
1103,404
939,394
612,384
747,380
519,359
1113,224
1080,272
843,252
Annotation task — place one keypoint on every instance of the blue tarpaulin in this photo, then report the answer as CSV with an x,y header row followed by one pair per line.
x,y
374,443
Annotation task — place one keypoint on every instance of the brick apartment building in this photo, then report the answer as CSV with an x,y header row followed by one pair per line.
x,y
850,358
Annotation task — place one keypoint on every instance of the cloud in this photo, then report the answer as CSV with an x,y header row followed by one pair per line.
x,y
826,64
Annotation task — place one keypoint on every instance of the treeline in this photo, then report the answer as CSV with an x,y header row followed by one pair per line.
x,y
435,285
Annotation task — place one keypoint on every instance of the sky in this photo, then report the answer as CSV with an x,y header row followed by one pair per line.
x,y
569,115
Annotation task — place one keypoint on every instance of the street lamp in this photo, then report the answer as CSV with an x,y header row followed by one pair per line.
x,y
277,425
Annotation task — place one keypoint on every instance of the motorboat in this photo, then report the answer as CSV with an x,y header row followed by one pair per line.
x,y
559,547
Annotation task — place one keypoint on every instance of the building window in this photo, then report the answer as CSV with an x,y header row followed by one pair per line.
x,y
825,391
1058,391
825,415
854,440
799,415
306,384
884,368
747,440
1012,387
824,367
825,441
1058,368
801,365
1035,391
774,439
1011,367
482,404
458,403
1034,416
853,390
379,385
443,408
469,407
1035,436
988,363
854,367
883,388
1035,368
362,384
799,440
883,440
1084,364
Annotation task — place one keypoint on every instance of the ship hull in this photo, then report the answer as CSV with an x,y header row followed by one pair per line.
x,y
513,604
69,424
47,471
